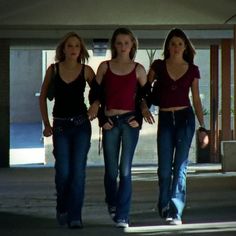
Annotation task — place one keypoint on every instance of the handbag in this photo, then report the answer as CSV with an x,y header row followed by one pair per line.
x,y
51,86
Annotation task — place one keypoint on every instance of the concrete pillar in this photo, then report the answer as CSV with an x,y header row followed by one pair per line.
x,y
214,103
4,102
234,66
226,94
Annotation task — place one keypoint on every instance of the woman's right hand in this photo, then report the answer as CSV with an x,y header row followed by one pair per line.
x,y
47,132
108,125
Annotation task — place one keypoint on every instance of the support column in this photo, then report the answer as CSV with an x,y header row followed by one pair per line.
x,y
4,103
214,104
226,91
234,46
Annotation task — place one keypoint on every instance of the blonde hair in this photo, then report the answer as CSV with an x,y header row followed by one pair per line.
x,y
60,55
124,31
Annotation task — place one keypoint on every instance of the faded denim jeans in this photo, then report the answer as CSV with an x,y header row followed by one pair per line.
x,y
175,133
119,145
71,141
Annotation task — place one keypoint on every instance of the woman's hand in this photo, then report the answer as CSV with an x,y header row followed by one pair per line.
x,y
203,138
93,111
147,115
133,123
108,125
47,132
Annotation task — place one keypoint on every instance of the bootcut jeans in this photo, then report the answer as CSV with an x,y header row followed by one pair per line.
x,y
175,133
71,142
119,145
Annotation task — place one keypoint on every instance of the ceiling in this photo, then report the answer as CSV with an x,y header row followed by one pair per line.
x,y
46,20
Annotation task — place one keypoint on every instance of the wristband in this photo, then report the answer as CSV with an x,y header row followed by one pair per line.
x,y
202,129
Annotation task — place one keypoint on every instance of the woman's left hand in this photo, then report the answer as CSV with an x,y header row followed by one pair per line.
x,y
147,115
203,138
133,123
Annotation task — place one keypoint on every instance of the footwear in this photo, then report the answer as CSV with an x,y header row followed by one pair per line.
x,y
62,218
75,224
169,218
122,224
175,221
112,211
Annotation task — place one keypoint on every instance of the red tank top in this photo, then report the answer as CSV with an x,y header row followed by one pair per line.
x,y
120,90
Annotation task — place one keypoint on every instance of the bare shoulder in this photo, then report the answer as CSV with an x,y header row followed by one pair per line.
x,y
49,71
89,73
88,69
140,68
103,66
101,71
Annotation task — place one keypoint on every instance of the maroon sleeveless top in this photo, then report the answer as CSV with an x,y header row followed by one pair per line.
x,y
120,90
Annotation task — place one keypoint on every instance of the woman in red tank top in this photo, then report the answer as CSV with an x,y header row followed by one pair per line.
x,y
120,78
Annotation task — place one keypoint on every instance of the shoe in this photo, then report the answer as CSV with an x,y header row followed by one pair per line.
x,y
175,221
122,224
112,211
169,218
75,224
62,218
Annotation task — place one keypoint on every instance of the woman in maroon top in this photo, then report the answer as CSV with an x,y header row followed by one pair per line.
x,y
176,75
120,78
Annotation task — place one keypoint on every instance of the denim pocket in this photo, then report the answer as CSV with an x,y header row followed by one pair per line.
x,y
124,118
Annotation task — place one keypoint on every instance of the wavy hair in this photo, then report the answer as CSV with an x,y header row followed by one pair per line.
x,y
60,55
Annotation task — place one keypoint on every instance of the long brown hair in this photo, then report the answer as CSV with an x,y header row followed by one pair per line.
x,y
189,52
60,55
133,39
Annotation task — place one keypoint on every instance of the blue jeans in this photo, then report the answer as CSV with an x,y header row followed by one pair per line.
x,y
175,133
71,142
119,145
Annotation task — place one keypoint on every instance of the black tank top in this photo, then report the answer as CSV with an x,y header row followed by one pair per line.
x,y
69,97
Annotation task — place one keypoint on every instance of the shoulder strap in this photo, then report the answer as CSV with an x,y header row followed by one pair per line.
x,y
83,70
108,64
56,68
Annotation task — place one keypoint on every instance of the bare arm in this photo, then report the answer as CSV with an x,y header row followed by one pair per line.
x,y
142,78
101,72
203,137
197,102
43,102
89,74
151,76
93,109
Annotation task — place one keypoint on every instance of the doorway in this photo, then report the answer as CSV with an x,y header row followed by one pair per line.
x,y
26,146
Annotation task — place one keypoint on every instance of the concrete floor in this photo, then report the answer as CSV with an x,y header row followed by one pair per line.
x,y
27,204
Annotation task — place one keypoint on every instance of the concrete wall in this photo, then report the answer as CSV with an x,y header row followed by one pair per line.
x,y
25,81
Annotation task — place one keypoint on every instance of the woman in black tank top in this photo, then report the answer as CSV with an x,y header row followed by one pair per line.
x,y
71,128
